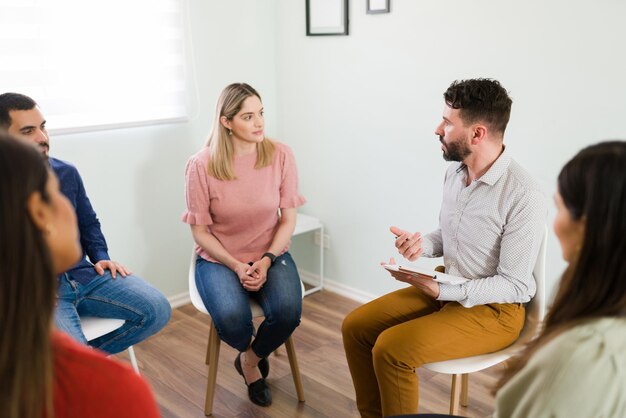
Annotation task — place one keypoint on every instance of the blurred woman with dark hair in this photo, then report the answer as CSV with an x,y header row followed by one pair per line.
x,y
44,372
577,366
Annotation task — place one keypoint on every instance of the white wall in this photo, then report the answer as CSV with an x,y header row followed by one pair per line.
x,y
360,111
135,177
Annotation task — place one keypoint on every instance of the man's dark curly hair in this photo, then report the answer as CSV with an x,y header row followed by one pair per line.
x,y
13,101
480,100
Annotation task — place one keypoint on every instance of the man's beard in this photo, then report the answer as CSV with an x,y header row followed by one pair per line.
x,y
456,150
44,147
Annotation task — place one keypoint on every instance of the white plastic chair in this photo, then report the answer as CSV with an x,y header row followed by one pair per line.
x,y
213,347
94,327
535,312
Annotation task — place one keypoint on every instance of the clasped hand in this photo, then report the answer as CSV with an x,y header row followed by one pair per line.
x,y
253,277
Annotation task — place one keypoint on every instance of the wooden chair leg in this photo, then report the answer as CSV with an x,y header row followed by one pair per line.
x,y
213,352
455,395
295,370
208,346
464,389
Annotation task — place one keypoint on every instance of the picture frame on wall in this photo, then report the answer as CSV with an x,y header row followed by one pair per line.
x,y
377,6
326,17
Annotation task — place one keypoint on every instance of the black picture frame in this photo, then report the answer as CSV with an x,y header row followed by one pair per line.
x,y
326,17
377,6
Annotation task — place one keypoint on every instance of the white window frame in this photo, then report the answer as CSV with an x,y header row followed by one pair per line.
x,y
94,65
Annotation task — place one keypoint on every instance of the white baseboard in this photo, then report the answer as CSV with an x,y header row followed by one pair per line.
x,y
336,287
307,277
179,300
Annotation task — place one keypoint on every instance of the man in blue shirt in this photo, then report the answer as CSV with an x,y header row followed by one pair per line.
x,y
89,288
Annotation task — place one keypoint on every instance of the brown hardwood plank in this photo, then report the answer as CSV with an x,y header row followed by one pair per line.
x,y
173,363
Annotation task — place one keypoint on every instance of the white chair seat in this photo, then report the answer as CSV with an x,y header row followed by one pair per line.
x,y
94,327
535,312
481,362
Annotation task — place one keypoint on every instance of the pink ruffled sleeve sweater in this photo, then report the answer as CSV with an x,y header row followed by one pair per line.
x,y
242,213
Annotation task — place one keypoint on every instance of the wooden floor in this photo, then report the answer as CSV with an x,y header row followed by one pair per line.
x,y
173,363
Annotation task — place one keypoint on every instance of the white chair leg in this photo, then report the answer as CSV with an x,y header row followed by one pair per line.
x,y
133,359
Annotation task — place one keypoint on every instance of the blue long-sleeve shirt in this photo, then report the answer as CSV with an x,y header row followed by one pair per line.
x,y
91,238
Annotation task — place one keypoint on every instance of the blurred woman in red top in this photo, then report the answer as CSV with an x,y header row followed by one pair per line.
x,y
43,372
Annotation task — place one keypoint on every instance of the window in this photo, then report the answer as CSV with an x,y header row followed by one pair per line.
x,y
96,64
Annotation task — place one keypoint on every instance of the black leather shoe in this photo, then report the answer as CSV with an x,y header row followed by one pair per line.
x,y
258,392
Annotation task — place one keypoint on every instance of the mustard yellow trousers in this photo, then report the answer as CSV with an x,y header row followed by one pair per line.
x,y
387,339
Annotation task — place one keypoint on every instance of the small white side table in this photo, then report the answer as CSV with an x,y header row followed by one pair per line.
x,y
306,223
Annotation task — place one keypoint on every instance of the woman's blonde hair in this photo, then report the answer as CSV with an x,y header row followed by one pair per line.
x,y
221,147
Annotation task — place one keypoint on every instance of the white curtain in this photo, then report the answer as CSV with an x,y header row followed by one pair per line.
x,y
96,64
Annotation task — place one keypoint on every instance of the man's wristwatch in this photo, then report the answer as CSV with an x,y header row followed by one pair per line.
x,y
271,256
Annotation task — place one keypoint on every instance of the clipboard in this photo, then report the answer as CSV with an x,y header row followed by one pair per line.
x,y
421,272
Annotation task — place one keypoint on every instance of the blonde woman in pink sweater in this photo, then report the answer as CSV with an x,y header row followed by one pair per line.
x,y
242,197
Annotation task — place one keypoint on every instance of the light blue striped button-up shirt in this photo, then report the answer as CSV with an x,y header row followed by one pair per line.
x,y
489,232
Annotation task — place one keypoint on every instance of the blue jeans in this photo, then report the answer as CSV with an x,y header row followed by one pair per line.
x,y
228,304
144,309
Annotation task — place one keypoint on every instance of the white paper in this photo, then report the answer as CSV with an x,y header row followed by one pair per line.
x,y
448,279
